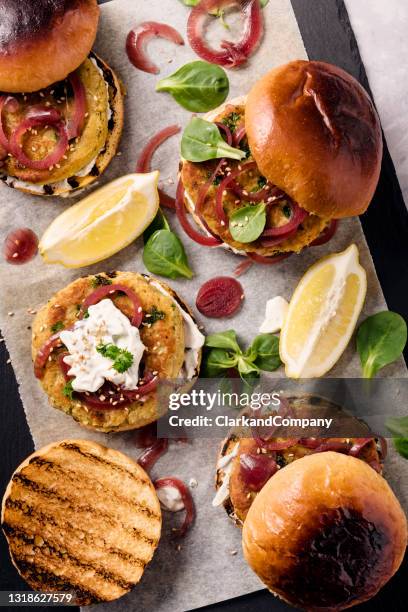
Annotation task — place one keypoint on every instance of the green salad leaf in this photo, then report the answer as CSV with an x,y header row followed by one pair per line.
x,y
401,446
248,223
223,352
399,427
380,341
197,86
158,223
202,141
266,349
164,255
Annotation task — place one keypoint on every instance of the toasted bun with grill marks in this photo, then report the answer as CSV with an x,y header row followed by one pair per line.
x,y
314,133
81,518
42,41
325,533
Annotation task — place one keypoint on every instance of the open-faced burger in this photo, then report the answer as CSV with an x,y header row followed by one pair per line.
x,y
245,464
102,345
61,106
311,148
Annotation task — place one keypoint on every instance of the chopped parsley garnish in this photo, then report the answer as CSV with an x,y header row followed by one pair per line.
x,y
244,146
68,390
122,359
57,327
153,315
100,280
287,211
86,314
231,120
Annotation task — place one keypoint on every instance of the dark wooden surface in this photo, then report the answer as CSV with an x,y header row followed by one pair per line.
x,y
327,36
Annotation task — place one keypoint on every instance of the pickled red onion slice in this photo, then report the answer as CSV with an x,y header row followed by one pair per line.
x,y
256,470
108,290
210,241
76,122
144,162
171,481
138,38
231,54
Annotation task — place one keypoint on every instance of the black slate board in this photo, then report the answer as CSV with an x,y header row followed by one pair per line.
x,y
328,36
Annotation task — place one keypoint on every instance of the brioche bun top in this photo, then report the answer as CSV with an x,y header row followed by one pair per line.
x,y
42,41
314,133
325,533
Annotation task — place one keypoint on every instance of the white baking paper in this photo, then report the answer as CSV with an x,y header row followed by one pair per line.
x,y
206,569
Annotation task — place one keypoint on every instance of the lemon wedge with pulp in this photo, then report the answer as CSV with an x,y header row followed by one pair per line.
x,y
322,314
103,223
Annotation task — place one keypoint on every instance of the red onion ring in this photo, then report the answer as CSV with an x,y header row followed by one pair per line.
x,y
76,122
327,234
310,442
209,241
358,445
149,385
239,134
268,261
97,295
231,54
38,116
171,481
44,353
265,194
269,242
256,470
226,131
337,447
297,216
144,161
224,185
243,267
146,436
140,36
151,454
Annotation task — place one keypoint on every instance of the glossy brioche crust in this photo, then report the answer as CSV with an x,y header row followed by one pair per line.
x,y
314,133
326,532
42,41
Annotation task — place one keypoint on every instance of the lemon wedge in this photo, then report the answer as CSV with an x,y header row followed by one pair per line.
x,y
322,314
103,223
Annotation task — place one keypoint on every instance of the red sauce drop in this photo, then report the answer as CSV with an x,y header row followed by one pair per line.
x,y
20,246
220,297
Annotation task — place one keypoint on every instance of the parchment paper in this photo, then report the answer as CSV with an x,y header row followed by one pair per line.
x,y
204,570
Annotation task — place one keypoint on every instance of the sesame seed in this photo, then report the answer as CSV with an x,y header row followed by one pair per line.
x,y
11,313
14,255
233,553
8,361
102,398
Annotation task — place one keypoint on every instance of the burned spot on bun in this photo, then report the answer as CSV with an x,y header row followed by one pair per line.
x,y
337,563
24,20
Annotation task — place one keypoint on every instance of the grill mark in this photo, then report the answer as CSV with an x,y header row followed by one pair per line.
x,y
36,570
34,513
75,562
73,476
31,485
78,450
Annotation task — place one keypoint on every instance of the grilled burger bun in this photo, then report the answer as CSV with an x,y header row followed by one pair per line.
x,y
88,155
325,533
314,134
233,490
42,41
81,518
165,340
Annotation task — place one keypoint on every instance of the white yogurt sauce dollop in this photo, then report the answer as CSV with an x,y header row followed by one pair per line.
x,y
106,324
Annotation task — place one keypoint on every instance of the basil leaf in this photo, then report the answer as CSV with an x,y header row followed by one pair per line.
x,y
401,446
380,341
202,141
164,254
266,349
263,3
398,426
225,340
216,360
158,223
248,223
198,86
